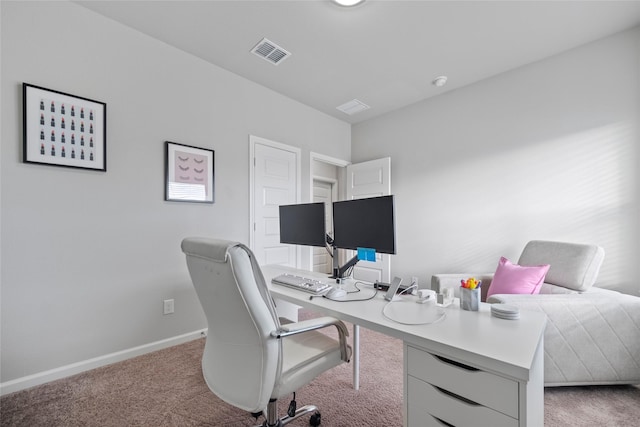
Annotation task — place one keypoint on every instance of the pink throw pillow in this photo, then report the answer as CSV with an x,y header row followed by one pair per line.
x,y
517,279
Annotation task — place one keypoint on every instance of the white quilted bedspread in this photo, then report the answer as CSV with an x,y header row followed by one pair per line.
x,y
590,338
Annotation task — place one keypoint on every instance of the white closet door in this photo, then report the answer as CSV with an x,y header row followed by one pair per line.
x,y
275,182
370,179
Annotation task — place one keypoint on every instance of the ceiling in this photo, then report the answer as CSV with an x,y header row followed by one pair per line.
x,y
383,53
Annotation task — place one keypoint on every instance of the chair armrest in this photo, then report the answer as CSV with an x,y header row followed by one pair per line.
x,y
452,280
313,324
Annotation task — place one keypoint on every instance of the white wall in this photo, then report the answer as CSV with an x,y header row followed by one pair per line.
x,y
88,257
547,151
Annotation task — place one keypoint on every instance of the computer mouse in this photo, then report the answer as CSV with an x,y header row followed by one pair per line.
x,y
336,293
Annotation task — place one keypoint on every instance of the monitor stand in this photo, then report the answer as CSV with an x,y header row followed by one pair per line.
x,y
338,271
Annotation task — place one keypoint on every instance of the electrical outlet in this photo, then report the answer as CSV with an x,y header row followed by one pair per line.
x,y
168,306
414,280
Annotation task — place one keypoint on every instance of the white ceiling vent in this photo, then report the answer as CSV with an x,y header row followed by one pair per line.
x,y
270,51
352,107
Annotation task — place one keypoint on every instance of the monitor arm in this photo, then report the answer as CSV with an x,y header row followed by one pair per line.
x,y
338,272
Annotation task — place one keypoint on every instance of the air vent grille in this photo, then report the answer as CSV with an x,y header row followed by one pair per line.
x,y
352,107
269,51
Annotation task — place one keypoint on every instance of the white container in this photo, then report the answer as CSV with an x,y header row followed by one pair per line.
x,y
470,299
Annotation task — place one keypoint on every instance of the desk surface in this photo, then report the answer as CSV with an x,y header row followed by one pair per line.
x,y
498,345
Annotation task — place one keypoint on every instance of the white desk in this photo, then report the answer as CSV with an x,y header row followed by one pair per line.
x,y
468,369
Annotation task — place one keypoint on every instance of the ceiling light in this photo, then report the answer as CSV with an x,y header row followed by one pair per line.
x,y
348,3
439,81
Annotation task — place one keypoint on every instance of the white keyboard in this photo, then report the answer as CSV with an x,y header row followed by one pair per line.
x,y
305,284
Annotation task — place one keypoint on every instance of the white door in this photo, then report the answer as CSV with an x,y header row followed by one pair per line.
x,y
370,179
326,192
275,181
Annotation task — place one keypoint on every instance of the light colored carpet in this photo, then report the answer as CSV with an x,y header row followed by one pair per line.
x,y
165,388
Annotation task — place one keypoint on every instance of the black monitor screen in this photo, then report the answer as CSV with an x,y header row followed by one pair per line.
x,y
365,223
303,224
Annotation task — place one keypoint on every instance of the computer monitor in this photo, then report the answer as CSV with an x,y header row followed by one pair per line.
x,y
303,224
363,223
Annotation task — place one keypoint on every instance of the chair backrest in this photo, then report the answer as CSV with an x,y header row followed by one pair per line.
x,y
574,266
241,361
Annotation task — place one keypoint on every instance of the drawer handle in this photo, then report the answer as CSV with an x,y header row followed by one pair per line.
x,y
464,399
443,422
458,364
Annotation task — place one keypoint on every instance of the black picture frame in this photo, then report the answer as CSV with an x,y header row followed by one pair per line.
x,y
189,173
60,129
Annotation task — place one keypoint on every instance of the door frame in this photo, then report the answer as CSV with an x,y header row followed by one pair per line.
x,y
334,197
331,161
325,159
253,141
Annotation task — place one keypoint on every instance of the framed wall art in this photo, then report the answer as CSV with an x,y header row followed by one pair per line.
x,y
189,173
63,130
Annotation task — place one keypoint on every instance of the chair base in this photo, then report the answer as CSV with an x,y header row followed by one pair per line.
x,y
273,421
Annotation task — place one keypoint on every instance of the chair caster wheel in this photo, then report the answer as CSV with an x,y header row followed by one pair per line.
x,y
315,419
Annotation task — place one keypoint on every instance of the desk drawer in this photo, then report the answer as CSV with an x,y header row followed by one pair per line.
x,y
429,405
482,387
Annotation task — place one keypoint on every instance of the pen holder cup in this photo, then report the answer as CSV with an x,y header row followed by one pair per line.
x,y
469,299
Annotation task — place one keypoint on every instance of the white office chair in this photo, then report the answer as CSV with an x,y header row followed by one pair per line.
x,y
251,357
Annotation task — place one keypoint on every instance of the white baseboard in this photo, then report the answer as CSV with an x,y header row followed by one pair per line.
x,y
86,365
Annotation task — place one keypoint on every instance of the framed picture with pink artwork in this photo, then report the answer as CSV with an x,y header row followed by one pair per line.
x,y
189,173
